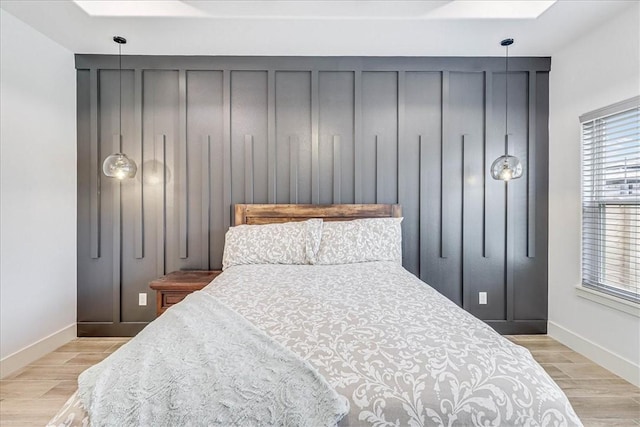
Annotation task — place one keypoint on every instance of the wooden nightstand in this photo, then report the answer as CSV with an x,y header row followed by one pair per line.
x,y
175,286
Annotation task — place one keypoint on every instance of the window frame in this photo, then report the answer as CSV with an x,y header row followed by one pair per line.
x,y
611,296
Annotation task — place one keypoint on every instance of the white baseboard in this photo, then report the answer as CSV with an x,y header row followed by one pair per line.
x,y
35,351
603,357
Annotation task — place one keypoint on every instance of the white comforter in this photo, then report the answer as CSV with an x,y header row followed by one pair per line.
x,y
398,350
401,352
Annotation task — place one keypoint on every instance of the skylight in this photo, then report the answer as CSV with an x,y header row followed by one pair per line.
x,y
149,8
323,9
491,9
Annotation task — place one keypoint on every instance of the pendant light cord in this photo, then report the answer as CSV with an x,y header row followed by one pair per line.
x,y
120,97
506,94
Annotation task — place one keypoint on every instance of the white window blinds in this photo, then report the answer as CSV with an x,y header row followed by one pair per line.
x,y
611,199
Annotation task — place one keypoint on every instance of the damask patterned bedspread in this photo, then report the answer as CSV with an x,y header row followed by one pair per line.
x,y
403,354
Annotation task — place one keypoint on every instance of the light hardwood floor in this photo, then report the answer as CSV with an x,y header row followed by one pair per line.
x,y
31,396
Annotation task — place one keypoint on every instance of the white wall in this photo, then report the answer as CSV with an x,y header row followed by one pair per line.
x,y
37,193
598,69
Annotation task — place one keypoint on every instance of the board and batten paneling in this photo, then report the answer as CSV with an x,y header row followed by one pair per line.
x,y
210,132
336,135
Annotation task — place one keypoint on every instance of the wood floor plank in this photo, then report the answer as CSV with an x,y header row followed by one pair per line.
x,y
87,358
551,357
606,407
16,389
577,357
584,371
62,372
55,358
115,346
62,390
599,387
545,346
554,372
83,346
609,422
34,412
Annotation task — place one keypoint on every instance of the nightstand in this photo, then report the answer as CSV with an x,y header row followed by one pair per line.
x,y
175,286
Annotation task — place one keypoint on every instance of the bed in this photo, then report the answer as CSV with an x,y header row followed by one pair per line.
x,y
395,350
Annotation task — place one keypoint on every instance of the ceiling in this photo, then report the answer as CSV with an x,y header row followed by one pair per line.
x,y
315,28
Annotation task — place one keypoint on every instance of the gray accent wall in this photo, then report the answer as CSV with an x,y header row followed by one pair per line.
x,y
210,132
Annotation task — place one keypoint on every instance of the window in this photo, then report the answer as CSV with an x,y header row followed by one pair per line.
x,y
611,200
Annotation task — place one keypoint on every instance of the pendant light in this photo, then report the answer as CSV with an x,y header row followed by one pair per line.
x,y
506,167
118,165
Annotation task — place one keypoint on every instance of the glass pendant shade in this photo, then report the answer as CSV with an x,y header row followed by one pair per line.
x,y
506,168
119,166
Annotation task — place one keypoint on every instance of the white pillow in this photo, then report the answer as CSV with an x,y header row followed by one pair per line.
x,y
360,240
286,243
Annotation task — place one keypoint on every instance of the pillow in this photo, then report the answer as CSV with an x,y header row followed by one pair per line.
x,y
286,243
360,240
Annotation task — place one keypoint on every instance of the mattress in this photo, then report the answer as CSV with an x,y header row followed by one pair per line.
x,y
398,350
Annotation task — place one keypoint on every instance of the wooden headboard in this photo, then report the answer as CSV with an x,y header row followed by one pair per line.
x,y
267,214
